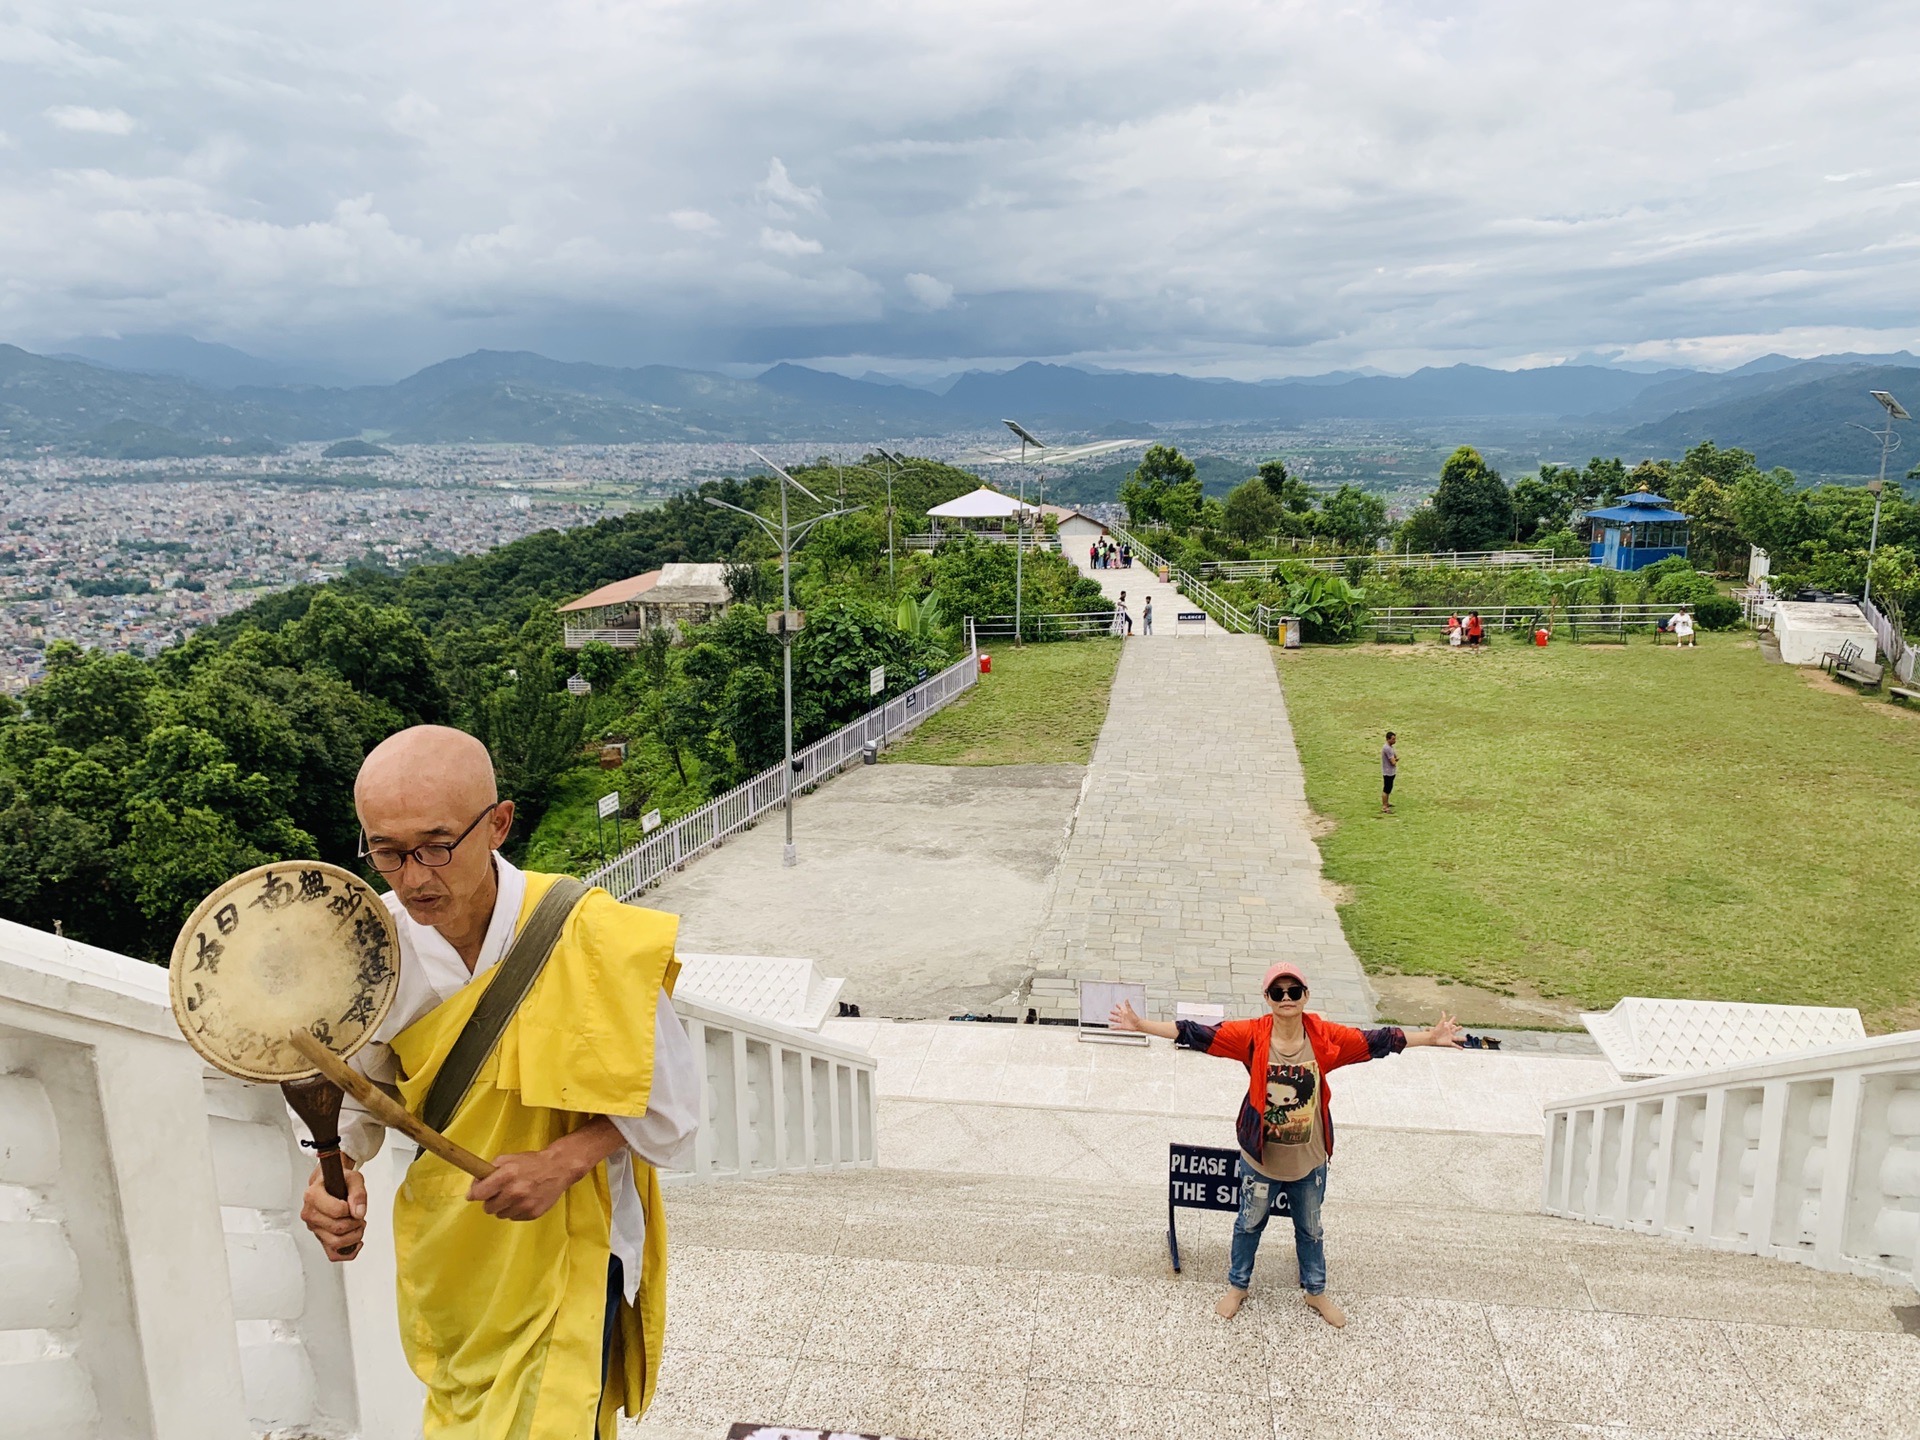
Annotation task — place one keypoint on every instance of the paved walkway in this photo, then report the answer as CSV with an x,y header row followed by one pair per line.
x,y
1139,584
1191,867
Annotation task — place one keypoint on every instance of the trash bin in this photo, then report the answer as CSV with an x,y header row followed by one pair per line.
x,y
870,753
986,663
1290,632
1166,573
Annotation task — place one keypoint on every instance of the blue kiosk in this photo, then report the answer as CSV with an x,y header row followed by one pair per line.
x,y
1634,532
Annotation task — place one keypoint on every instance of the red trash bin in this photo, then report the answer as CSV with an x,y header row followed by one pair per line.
x,y
986,663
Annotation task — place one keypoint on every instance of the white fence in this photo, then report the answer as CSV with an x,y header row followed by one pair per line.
x,y
155,1280
1389,559
1812,1157
990,537
1063,625
671,846
1900,655
574,636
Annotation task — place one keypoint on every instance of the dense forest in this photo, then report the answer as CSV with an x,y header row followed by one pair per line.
x,y
130,786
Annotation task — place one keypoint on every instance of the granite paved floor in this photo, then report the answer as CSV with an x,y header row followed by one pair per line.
x,y
939,1306
1191,867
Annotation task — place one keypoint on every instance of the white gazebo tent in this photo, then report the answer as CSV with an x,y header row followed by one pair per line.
x,y
981,504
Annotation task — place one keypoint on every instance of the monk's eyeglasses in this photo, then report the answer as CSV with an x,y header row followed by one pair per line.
x,y
1287,992
389,861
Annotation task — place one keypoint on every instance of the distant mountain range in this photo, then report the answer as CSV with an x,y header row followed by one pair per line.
x,y
1791,412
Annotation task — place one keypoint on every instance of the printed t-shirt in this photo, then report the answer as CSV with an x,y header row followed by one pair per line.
x,y
1293,1144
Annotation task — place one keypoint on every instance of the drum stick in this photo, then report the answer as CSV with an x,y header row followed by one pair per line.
x,y
385,1109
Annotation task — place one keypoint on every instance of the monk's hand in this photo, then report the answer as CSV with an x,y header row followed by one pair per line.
x,y
339,1225
525,1186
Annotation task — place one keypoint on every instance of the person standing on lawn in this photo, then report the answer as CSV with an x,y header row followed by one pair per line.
x,y
1285,1126
1389,769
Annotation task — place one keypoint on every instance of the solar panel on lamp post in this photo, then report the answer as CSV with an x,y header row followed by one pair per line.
x,y
1895,411
788,539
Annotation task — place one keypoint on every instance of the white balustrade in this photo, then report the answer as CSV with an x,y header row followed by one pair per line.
x,y
1813,1157
776,1099
155,1280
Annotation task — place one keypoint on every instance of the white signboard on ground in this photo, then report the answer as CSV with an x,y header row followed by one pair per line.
x,y
876,679
609,805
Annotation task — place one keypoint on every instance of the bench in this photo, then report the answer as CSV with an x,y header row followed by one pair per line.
x,y
1865,673
1845,655
1900,692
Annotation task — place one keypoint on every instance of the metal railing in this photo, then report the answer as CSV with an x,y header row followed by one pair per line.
x,y
1065,625
1617,619
991,537
1813,1158
1900,655
1227,615
1388,620
1393,560
621,638
671,846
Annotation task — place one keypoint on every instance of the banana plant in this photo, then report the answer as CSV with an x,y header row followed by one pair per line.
x,y
923,619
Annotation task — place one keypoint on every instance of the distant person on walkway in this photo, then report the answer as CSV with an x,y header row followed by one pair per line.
x,y
1126,556
1682,626
1122,621
1146,616
1389,768
1093,556
1285,1126
1475,630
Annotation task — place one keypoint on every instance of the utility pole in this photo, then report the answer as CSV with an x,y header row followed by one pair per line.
x,y
1027,437
788,540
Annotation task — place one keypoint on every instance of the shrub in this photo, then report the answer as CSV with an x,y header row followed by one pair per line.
x,y
1716,612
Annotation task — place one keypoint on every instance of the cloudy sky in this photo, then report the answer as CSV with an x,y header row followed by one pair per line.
x,y
1230,187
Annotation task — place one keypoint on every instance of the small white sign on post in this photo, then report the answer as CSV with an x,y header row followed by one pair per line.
x,y
609,805
649,822
876,679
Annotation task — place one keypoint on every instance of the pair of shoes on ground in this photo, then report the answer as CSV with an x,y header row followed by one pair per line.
x,y
1322,1305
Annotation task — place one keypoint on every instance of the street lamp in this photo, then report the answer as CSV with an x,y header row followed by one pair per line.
x,y
1027,438
788,539
1895,411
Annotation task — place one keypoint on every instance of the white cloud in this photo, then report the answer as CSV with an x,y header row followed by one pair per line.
x,y
785,242
1248,187
931,294
698,222
783,196
88,121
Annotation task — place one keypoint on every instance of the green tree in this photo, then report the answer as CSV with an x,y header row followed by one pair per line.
x,y
1253,511
1164,487
535,730
1471,505
377,649
1289,490
1353,518
89,696
600,665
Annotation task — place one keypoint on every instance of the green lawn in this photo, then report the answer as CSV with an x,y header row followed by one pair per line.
x,y
1042,705
1604,821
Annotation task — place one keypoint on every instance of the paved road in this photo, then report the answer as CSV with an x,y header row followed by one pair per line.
x,y
1191,867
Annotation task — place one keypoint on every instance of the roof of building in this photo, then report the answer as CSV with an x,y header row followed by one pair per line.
x,y
620,592
1642,506
1062,512
981,504
691,584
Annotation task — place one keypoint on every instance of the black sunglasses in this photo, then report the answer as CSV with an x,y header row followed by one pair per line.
x,y
1287,992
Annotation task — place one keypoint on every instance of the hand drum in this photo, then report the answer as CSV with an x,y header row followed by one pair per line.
x,y
297,946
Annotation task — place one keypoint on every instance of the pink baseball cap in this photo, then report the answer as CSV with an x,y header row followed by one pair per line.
x,y
1285,967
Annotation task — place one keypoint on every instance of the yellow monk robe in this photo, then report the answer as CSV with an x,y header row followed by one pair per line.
x,y
503,1319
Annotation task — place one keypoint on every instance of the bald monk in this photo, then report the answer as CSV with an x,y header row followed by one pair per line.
x,y
532,1303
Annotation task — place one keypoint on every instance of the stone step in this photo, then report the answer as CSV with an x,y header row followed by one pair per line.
x,y
934,1305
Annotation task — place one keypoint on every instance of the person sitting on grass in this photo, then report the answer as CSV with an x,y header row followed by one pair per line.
x,y
1285,1127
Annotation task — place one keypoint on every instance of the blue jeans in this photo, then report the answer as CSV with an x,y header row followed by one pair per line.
x,y
1309,1241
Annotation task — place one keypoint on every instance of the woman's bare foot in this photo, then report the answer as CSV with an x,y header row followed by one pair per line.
x,y
1229,1305
1327,1310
